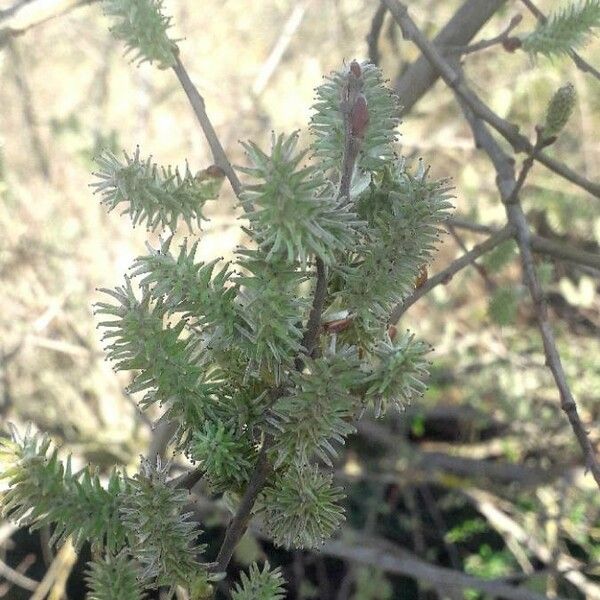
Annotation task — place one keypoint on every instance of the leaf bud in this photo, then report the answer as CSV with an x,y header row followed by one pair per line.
x,y
559,110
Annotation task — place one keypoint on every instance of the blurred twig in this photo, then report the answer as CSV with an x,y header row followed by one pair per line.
x,y
17,578
446,275
454,81
29,113
276,54
198,105
374,32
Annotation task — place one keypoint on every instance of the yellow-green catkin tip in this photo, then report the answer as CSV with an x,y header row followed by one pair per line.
x,y
559,110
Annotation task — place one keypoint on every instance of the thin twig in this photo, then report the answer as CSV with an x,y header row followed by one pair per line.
x,y
374,32
314,319
18,578
489,284
198,105
501,38
539,244
446,275
29,112
276,54
238,525
455,81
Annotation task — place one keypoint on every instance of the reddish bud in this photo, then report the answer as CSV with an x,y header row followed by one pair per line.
x,y
511,44
355,69
392,332
359,117
337,325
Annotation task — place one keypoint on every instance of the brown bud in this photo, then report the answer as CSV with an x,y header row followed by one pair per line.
x,y
392,332
355,69
359,117
511,44
421,277
338,325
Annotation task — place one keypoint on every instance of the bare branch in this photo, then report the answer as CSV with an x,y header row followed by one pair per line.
x,y
413,83
455,81
501,38
539,244
391,559
198,105
446,275
506,184
374,32
238,525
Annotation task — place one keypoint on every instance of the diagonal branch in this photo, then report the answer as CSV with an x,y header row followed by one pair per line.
x,y
419,77
507,184
444,276
198,105
454,80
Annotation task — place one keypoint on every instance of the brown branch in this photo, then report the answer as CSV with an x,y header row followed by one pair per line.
x,y
446,275
373,35
501,38
539,244
391,559
238,525
506,184
414,82
455,81
198,105
489,284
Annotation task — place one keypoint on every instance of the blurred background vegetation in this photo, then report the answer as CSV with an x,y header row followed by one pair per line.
x,y
482,476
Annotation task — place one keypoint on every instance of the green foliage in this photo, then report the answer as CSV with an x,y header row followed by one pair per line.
x,y
319,408
403,212
466,530
294,212
565,30
155,195
260,585
220,348
299,509
503,305
397,372
190,288
490,563
559,110
114,578
163,535
327,124
165,361
372,584
500,256
270,310
143,27
76,504
226,456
